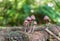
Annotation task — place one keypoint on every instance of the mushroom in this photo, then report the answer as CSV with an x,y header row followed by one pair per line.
x,y
33,17
46,18
25,25
34,26
35,23
29,19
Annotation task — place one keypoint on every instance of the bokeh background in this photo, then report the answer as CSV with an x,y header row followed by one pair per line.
x,y
13,12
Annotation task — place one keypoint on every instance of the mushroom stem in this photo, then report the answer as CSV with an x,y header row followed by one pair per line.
x,y
31,26
25,29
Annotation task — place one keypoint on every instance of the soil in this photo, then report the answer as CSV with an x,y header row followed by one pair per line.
x,y
17,34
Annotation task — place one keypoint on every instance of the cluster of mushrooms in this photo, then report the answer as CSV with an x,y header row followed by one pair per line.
x,y
30,23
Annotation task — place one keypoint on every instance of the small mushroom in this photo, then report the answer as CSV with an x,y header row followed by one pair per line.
x,y
34,26
25,23
28,18
35,23
33,17
46,18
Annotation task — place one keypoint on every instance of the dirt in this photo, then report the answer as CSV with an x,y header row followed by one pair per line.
x,y
17,34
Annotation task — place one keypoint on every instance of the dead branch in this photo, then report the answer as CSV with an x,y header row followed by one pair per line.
x,y
51,33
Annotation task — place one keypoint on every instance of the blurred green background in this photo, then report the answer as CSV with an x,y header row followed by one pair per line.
x,y
13,12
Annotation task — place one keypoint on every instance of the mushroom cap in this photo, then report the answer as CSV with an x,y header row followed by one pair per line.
x,y
25,23
35,23
46,18
28,18
33,17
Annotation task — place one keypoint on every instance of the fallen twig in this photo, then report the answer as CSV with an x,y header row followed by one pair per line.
x,y
51,33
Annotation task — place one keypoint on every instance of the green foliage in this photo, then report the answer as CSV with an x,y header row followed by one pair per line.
x,y
13,12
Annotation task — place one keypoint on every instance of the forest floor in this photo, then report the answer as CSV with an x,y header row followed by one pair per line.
x,y
17,34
